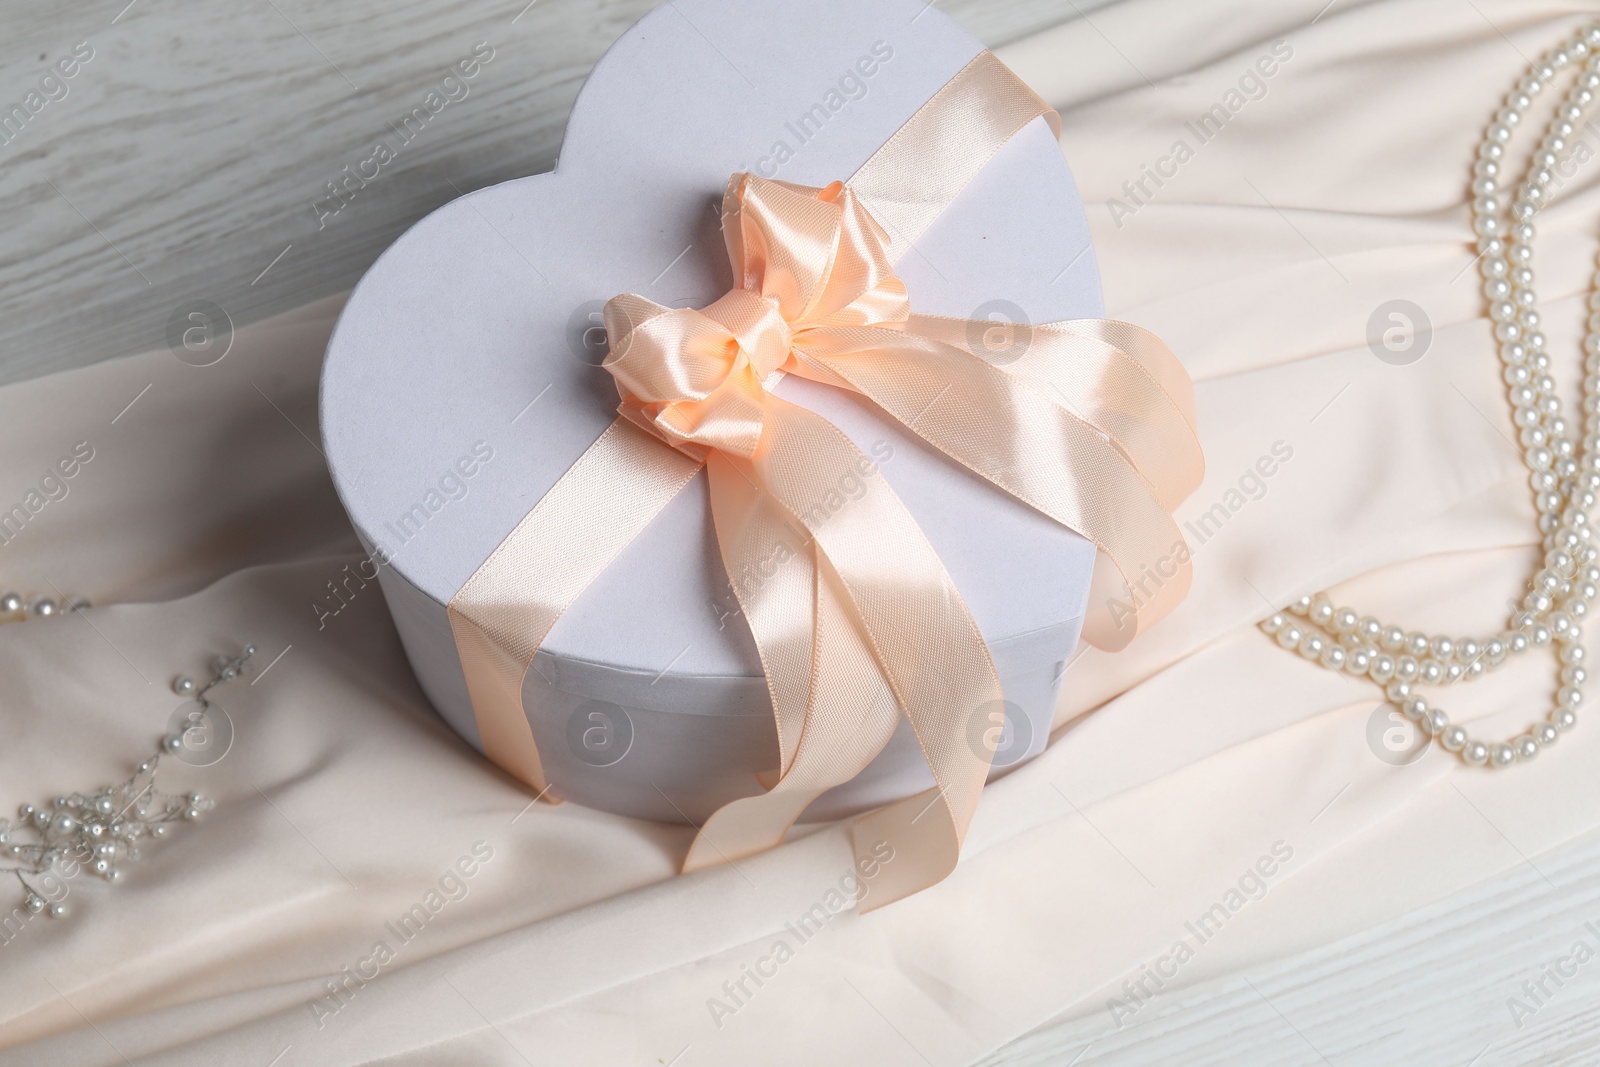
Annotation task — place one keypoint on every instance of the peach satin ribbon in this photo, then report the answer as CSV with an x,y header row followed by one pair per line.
x,y
1092,425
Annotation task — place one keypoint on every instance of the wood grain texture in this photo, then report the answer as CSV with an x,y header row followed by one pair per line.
x,y
187,154
1431,989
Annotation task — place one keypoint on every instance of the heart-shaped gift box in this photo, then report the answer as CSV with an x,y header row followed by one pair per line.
x,y
463,381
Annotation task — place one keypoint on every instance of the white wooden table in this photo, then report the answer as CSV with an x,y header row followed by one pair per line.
x,y
185,161
184,164
1430,989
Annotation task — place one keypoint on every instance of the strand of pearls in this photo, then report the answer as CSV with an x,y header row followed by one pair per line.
x,y
15,608
1564,475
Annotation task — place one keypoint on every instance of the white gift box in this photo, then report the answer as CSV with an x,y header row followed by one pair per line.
x,y
463,380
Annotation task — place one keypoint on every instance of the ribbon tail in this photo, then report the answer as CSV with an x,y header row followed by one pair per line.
x,y
849,717
1114,376
1126,384
768,557
1026,443
879,564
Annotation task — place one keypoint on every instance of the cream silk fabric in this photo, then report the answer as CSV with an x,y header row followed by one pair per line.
x,y
208,521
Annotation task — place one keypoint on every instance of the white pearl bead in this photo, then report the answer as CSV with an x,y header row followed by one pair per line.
x,y
1454,739
1527,748
1502,754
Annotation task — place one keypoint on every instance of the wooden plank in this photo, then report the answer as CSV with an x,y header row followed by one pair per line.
x,y
1432,988
184,160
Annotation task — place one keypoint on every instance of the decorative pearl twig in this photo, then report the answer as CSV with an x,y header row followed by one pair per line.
x,y
102,829
1564,477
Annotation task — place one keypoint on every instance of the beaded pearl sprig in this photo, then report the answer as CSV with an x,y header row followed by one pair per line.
x,y
1564,475
102,830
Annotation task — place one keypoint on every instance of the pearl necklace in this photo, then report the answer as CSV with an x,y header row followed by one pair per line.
x,y
1565,478
14,608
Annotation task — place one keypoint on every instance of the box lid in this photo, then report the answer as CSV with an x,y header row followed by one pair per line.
x,y
462,379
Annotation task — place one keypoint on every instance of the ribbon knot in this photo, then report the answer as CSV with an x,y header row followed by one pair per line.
x,y
806,261
758,326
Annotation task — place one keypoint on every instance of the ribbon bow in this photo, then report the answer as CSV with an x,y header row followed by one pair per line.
x,y
809,262
1090,423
